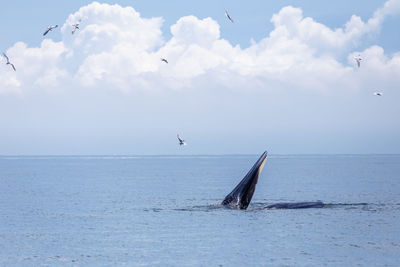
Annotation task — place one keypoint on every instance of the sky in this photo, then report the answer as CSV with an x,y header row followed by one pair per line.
x,y
281,78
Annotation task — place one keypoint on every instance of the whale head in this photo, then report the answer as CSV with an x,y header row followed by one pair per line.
x,y
241,195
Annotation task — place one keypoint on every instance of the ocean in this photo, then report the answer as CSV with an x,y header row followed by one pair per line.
x,y
164,211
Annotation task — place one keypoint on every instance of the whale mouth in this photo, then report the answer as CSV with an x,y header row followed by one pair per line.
x,y
242,194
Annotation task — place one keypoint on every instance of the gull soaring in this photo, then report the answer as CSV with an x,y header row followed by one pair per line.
x,y
8,61
75,26
227,15
358,60
181,141
49,29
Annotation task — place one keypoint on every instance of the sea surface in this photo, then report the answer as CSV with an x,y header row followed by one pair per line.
x,y
164,211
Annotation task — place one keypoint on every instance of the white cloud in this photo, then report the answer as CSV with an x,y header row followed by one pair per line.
x,y
8,81
104,26
117,48
391,7
34,66
289,22
191,30
385,70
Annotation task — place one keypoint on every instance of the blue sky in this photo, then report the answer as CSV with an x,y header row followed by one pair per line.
x,y
282,78
253,19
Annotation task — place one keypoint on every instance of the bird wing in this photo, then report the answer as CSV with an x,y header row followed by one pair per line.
x,y
12,65
228,16
48,29
180,139
357,59
4,54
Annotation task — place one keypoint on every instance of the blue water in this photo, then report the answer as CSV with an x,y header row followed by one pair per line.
x,y
113,211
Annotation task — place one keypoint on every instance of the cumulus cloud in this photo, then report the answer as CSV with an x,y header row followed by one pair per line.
x,y
117,48
385,70
105,26
290,23
391,7
34,66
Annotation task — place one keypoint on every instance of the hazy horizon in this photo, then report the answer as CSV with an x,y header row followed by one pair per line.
x,y
194,155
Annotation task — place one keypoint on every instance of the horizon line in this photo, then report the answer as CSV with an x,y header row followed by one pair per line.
x,y
197,155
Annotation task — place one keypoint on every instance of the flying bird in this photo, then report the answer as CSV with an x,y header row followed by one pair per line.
x,y
164,60
181,141
358,59
49,29
227,15
75,26
378,93
8,62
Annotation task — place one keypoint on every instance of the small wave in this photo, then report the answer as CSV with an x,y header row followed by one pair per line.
x,y
364,206
153,210
205,208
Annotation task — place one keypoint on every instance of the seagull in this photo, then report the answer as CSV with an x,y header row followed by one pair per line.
x,y
227,15
8,61
358,59
75,26
181,141
378,93
164,60
49,29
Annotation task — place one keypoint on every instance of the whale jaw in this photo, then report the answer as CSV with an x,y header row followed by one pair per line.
x,y
242,194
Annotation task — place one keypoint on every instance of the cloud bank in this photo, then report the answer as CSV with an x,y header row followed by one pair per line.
x,y
117,49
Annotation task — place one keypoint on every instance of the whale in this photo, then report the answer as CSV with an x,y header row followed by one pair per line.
x,y
241,195
295,205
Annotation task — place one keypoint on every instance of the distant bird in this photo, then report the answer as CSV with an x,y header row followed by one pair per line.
x,y
49,29
229,17
181,141
8,61
358,59
378,93
75,26
164,60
